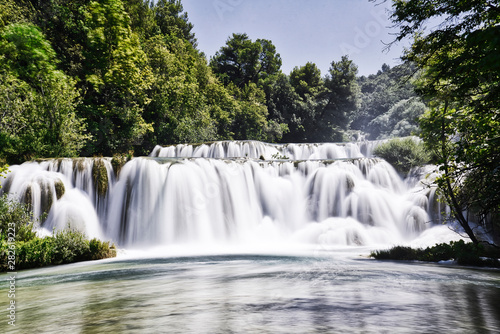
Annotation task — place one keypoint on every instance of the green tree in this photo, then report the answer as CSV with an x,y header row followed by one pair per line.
x,y
143,20
250,118
96,45
249,70
306,80
400,121
404,153
242,61
117,77
461,66
283,106
379,93
187,104
305,103
13,12
337,101
173,21
37,101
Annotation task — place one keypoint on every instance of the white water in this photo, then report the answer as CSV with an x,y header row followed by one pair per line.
x,y
256,150
244,201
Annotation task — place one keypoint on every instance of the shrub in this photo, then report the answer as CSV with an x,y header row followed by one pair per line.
x,y
17,216
397,252
100,250
469,254
69,246
403,153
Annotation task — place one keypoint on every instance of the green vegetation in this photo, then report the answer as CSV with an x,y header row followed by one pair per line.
x,y
37,101
98,78
32,251
100,176
404,153
4,169
389,106
118,161
469,254
460,73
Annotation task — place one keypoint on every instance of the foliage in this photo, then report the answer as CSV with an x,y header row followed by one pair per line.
x,y
18,214
66,246
306,80
461,75
242,61
400,121
119,76
249,71
314,108
469,254
118,161
187,104
32,251
173,21
388,106
340,100
4,169
404,153
12,12
37,101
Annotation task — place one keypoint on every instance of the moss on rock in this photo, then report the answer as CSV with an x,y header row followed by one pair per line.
x,y
100,176
118,161
60,190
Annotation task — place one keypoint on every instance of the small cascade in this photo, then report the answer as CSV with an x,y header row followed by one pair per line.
x,y
242,192
259,150
64,192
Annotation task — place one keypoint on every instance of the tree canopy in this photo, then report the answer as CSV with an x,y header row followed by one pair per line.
x,y
37,101
89,78
460,60
242,61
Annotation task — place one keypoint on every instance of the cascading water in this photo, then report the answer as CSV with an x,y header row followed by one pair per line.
x,y
259,150
232,193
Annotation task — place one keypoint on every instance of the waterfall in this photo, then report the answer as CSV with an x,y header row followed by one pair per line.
x,y
238,192
258,150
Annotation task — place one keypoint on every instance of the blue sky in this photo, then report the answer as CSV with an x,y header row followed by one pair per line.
x,y
302,30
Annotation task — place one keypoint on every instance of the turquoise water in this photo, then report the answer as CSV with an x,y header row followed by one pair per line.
x,y
340,292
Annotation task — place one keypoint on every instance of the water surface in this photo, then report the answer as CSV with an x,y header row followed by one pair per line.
x,y
340,292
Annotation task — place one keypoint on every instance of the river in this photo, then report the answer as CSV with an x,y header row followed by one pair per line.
x,y
339,291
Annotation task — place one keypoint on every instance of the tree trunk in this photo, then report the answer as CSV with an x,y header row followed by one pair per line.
x,y
452,200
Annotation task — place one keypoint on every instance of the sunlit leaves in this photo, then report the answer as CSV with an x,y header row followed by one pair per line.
x,y
37,101
462,77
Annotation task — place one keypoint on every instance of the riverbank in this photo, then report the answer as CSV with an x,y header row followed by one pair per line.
x,y
462,253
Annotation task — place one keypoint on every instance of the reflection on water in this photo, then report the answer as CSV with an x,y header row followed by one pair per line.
x,y
254,294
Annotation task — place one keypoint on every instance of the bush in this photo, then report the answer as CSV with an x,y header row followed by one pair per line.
x,y
397,252
16,216
468,254
403,153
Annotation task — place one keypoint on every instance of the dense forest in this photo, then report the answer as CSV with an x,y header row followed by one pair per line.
x,y
86,78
